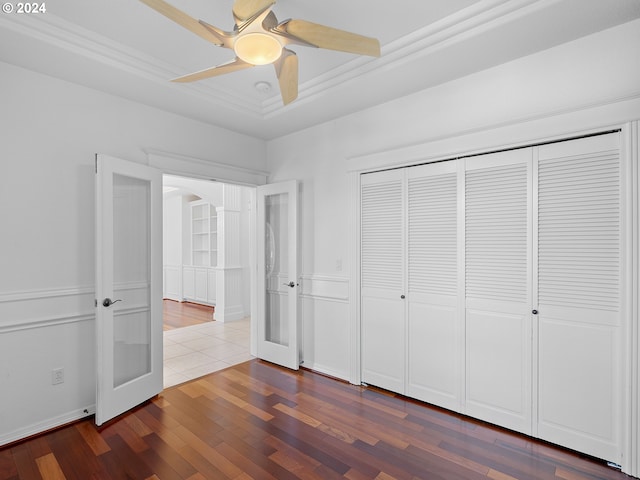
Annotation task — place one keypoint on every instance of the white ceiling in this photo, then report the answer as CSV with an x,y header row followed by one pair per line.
x,y
124,48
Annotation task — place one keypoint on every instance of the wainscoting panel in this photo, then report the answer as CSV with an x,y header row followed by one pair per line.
x,y
325,324
173,282
42,330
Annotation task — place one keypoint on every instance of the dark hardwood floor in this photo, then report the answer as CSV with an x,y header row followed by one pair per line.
x,y
255,420
184,314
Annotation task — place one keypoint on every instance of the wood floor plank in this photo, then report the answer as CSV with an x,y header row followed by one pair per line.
x,y
185,314
128,434
24,460
258,421
74,456
121,456
49,467
93,439
8,467
161,453
210,453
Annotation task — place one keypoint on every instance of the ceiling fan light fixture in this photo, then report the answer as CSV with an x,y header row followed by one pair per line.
x,y
257,48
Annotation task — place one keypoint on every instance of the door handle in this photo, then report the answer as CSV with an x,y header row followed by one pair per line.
x,y
107,302
290,284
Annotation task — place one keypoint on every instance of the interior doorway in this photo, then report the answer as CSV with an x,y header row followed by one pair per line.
x,y
207,228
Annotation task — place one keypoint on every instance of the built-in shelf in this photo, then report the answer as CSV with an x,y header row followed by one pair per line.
x,y
204,236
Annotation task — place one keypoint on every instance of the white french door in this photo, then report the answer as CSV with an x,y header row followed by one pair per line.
x,y
277,278
128,285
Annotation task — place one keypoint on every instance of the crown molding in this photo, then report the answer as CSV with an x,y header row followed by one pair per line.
x,y
53,30
462,25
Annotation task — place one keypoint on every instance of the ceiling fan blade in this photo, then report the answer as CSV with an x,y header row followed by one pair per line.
x,y
229,67
287,72
183,19
244,10
332,38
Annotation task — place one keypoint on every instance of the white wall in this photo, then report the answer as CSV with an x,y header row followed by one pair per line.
x,y
172,250
541,89
50,131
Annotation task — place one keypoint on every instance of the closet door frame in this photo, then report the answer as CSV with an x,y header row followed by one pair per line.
x,y
585,122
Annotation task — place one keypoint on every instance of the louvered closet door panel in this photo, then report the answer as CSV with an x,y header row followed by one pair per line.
x,y
434,326
382,279
579,294
498,288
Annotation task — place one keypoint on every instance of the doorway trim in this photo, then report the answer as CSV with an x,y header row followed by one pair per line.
x,y
185,166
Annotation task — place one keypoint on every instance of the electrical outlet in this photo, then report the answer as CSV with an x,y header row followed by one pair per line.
x,y
57,376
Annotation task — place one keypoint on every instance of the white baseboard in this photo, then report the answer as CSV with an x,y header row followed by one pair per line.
x,y
49,424
232,313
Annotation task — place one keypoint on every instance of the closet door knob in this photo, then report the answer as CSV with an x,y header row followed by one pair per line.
x,y
402,297
535,312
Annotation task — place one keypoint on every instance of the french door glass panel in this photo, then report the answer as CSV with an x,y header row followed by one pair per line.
x,y
131,275
277,271
128,286
278,340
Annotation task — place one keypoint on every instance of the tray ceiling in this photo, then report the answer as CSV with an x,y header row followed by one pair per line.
x,y
124,48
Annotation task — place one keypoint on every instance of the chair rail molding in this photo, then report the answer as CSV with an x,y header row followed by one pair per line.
x,y
41,308
325,287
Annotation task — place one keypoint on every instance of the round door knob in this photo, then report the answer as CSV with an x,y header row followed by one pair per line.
x,y
535,312
402,297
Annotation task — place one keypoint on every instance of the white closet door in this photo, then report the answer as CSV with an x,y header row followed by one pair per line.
x,y
382,279
579,295
498,288
434,330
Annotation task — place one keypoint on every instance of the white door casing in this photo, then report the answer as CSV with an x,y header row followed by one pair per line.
x,y
128,285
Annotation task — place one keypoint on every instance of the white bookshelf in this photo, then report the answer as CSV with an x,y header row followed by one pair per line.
x,y
204,235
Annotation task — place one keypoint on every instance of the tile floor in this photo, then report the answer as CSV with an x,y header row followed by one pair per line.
x,y
197,350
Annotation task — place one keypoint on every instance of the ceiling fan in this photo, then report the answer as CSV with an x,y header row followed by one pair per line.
x,y
259,39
